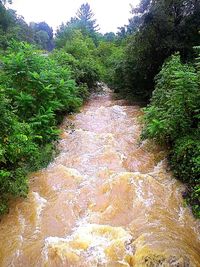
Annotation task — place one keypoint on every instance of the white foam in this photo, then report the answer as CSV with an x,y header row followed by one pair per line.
x,y
41,203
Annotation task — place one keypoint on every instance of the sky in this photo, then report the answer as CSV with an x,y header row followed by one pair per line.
x,y
110,14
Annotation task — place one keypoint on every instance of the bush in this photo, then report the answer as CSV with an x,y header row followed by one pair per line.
x,y
185,162
35,92
174,103
78,52
185,158
110,55
173,118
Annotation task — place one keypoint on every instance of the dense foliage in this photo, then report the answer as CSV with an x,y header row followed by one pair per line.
x,y
13,26
35,91
77,51
75,43
109,55
91,55
43,35
173,118
156,31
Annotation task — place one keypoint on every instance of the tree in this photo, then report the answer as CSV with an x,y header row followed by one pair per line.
x,y
85,16
83,21
86,22
109,36
43,35
13,26
159,28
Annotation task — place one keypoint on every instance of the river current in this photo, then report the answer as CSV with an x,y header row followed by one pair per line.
x,y
106,200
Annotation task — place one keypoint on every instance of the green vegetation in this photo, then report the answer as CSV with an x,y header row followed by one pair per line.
x,y
35,92
173,118
109,55
91,55
156,31
77,51
158,65
38,88
13,26
151,59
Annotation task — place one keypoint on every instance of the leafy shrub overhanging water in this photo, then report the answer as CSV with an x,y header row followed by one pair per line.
x,y
35,91
173,118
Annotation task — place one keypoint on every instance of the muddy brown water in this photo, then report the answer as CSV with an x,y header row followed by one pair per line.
x,y
106,200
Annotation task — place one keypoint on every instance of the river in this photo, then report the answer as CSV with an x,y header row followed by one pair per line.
x,y
106,200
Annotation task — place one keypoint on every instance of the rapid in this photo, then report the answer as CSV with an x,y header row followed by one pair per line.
x,y
107,199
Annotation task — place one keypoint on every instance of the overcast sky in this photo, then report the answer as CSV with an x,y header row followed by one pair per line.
x,y
110,14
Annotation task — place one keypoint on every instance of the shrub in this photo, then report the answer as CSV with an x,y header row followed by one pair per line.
x,y
35,92
78,52
173,118
174,103
185,158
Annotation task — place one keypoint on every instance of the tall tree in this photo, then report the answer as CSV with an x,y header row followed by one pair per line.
x,y
86,17
83,21
159,29
43,35
13,26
